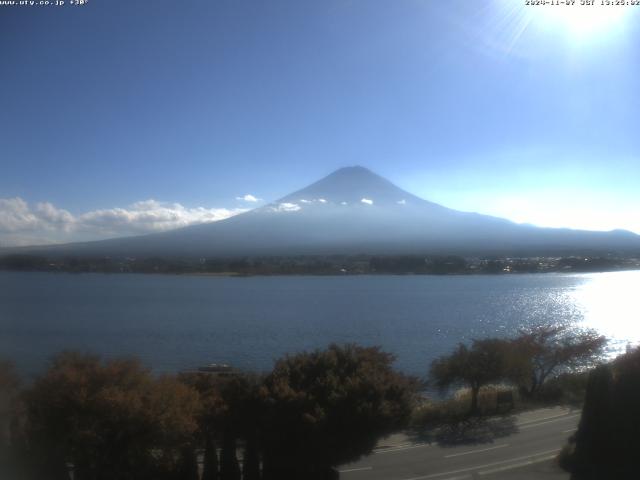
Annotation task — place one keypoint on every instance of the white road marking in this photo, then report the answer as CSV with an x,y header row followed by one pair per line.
x,y
526,460
399,445
361,469
476,451
400,449
517,465
544,418
550,421
478,467
527,424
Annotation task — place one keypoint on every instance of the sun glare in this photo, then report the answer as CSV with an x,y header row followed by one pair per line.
x,y
582,19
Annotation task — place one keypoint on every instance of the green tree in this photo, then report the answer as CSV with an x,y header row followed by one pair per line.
x,y
9,387
328,407
476,366
606,443
9,406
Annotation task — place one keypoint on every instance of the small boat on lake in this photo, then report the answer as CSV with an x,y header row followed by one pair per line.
x,y
221,369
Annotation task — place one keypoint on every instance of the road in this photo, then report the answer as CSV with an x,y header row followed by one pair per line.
x,y
511,447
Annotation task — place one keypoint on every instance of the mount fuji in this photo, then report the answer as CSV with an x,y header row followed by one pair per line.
x,y
354,211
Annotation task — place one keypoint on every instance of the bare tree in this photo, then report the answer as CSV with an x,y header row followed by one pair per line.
x,y
482,363
545,351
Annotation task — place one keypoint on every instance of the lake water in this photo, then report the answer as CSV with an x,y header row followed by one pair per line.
x,y
180,322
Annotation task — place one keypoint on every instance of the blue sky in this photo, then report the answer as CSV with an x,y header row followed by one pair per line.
x,y
122,112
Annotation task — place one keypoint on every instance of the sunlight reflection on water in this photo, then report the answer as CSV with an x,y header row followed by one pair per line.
x,y
609,303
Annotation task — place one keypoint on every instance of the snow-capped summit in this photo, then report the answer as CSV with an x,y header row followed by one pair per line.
x,y
352,185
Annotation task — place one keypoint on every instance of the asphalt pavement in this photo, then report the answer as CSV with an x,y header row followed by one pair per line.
x,y
518,447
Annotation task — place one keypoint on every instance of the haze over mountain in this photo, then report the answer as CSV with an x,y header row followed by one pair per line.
x,y
353,211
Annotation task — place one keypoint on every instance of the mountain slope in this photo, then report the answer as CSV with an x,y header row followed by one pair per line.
x,y
354,211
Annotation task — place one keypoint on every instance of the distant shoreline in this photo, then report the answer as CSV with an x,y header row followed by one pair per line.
x,y
309,274
327,265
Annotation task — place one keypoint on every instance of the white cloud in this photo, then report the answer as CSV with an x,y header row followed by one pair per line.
x,y
322,200
402,202
249,198
55,218
15,215
344,203
286,207
302,200
21,224
151,216
368,201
